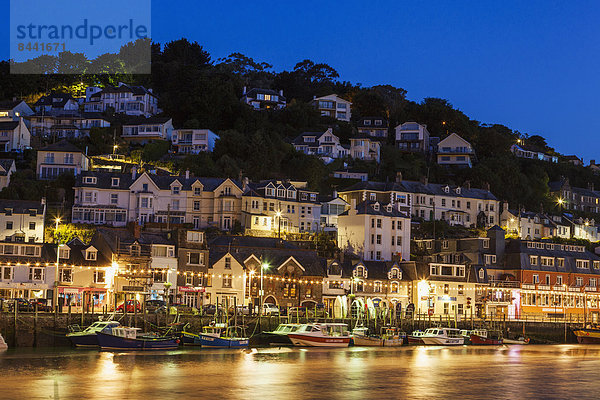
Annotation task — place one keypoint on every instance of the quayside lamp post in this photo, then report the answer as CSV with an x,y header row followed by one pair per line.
x,y
278,215
263,267
59,245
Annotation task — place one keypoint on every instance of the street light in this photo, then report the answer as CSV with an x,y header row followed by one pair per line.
x,y
115,147
263,266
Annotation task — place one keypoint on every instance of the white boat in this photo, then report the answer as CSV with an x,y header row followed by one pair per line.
x,y
3,345
519,340
483,333
321,335
443,336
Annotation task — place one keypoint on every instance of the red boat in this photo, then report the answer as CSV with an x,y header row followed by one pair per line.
x,y
476,339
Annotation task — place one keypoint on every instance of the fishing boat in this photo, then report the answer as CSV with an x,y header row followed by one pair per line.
x,y
523,340
361,337
3,345
88,337
488,339
416,337
280,335
588,335
390,337
443,336
221,336
467,334
321,335
126,338
190,339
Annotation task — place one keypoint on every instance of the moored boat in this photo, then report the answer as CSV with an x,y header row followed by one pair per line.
x,y
392,337
219,336
190,339
416,337
321,335
467,334
88,337
443,336
588,335
483,340
519,340
125,338
279,336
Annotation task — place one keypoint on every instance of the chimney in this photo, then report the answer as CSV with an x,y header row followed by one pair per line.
x,y
244,92
135,229
424,180
505,206
187,174
281,92
398,177
352,210
467,184
245,184
486,186
335,194
133,172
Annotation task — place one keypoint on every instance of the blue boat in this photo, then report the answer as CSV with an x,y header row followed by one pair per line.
x,y
88,337
218,336
190,339
124,338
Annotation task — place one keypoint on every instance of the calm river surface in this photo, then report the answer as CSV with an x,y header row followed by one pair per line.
x,y
503,372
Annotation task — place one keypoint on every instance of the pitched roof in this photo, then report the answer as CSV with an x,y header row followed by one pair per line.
x,y
49,100
422,188
8,125
254,91
21,206
9,104
141,120
6,164
62,145
124,88
384,123
369,208
301,139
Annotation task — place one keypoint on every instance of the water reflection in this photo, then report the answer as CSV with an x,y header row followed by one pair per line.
x,y
355,373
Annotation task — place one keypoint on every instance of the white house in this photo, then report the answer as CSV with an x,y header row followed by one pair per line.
x,y
22,220
226,281
14,135
12,110
7,168
412,137
365,148
56,103
375,231
124,99
143,130
194,141
333,106
455,150
323,144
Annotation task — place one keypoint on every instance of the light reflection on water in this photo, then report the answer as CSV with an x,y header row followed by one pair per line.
x,y
514,372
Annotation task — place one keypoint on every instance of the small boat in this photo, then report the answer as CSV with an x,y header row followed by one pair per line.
x,y
190,339
3,345
321,335
125,338
443,336
588,335
416,337
220,336
482,340
361,337
280,335
521,340
467,334
88,337
392,337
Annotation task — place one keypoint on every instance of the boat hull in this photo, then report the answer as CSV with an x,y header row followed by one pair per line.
x,y
443,341
87,340
318,341
190,339
274,339
480,340
219,342
587,336
393,342
368,341
415,340
111,342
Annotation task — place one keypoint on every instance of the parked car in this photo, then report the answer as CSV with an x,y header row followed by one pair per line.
x,y
211,309
296,311
270,309
130,306
42,305
23,305
154,305
240,310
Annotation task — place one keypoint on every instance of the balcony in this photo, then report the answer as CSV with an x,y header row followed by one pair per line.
x,y
455,150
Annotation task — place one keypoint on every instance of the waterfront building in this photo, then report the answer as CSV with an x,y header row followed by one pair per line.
x,y
572,198
275,207
331,208
143,130
374,231
412,137
22,220
457,205
192,268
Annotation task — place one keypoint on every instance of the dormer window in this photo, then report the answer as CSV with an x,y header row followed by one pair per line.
x,y
195,237
360,271
91,254
280,192
367,122
114,182
378,122
458,190
8,211
175,189
90,180
270,191
395,273
197,191
135,250
291,194
481,274
447,189
376,206
310,139
64,253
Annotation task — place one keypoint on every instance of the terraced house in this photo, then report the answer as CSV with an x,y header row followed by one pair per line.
x,y
115,199
457,205
274,207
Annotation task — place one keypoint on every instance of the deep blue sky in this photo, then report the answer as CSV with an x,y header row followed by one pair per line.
x,y
533,66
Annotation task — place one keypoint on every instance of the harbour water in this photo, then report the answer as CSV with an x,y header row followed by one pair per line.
x,y
507,372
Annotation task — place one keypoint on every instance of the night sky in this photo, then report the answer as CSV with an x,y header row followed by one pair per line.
x,y
532,66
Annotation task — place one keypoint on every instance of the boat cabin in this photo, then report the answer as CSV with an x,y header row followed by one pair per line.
x,y
446,332
126,332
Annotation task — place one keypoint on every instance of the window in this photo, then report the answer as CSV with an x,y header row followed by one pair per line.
x,y
582,263
227,280
592,282
36,274
195,258
99,276
533,260
196,206
379,223
89,180
114,198
460,309
9,225
490,259
197,191
227,262
579,281
560,262
175,190
461,289
66,275
196,237
559,280
433,270
547,279
64,253
536,278
91,255
189,280
32,226
394,287
114,182
378,239
377,287
547,261
7,273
